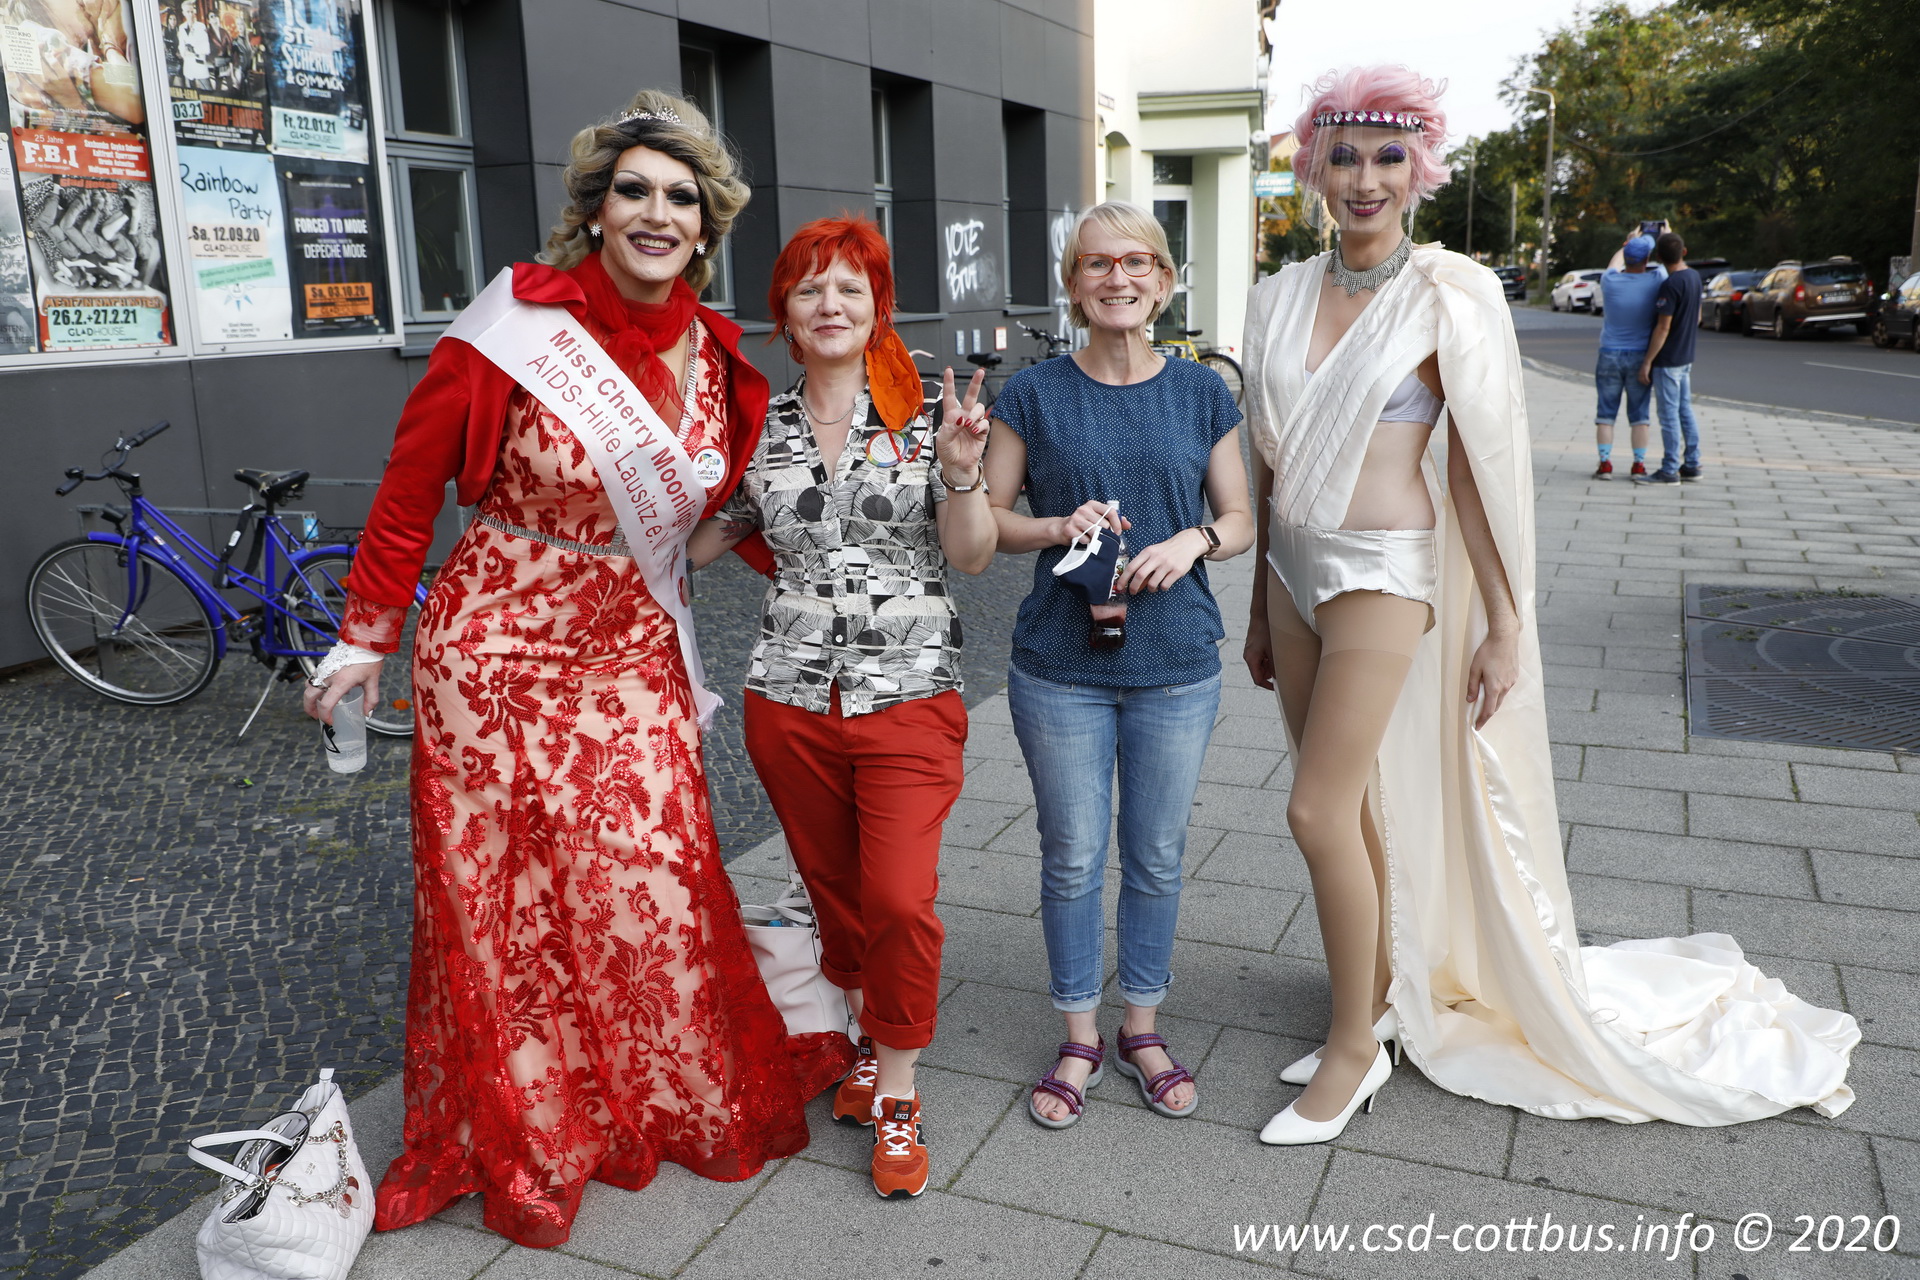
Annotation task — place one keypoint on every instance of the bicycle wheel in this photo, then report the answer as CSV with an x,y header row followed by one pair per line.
x,y
138,635
313,593
1229,370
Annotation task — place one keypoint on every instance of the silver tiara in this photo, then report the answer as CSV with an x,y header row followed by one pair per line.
x,y
1384,119
665,117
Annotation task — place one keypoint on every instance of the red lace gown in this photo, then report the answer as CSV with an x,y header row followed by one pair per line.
x,y
582,1001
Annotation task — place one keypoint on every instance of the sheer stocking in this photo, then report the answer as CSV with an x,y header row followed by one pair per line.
x,y
1337,690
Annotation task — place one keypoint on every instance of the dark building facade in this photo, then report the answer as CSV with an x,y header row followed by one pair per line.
x,y
352,171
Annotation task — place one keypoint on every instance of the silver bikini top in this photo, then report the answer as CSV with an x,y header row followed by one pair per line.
x,y
1410,402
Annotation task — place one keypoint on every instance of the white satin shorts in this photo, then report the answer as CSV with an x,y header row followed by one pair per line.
x,y
1315,565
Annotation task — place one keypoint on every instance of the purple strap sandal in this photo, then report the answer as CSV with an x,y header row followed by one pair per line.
x,y
1154,1090
1076,1099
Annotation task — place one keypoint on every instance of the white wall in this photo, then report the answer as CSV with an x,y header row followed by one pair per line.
x,y
1186,47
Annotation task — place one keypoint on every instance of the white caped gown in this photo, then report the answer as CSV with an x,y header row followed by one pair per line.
x,y
1496,997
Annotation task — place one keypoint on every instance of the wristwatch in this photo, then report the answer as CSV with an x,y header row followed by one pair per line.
x,y
1213,539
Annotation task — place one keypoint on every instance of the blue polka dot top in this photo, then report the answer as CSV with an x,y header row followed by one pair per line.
x,y
1145,446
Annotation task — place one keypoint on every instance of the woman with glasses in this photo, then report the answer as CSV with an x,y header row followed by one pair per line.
x,y
1121,671
853,712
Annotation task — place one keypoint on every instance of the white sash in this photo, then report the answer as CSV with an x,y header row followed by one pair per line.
x,y
648,477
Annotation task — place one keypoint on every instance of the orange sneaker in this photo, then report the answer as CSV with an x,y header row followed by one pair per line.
x,y
899,1156
853,1100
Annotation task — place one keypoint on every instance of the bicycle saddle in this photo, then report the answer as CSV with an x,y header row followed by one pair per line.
x,y
985,359
1193,333
272,486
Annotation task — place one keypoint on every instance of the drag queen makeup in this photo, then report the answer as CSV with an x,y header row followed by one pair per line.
x,y
1395,618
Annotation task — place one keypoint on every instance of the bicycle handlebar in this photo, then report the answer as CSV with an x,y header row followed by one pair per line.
x,y
148,434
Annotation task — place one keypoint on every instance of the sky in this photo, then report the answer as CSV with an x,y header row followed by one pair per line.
x,y
1472,44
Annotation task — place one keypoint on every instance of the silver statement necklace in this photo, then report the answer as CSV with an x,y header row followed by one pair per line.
x,y
1375,276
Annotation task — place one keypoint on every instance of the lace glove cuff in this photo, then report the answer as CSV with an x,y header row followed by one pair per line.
x,y
341,655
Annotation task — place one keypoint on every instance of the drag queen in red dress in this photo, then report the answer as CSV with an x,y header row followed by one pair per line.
x,y
583,1004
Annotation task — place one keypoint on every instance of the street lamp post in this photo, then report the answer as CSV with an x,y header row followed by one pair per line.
x,y
1546,197
1473,159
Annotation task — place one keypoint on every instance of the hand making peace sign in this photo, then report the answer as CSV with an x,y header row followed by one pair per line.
x,y
962,441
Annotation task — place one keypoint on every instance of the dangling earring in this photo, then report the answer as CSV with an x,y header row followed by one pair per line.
x,y
593,228
700,249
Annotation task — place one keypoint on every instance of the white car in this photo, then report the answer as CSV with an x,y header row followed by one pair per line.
x,y
1577,291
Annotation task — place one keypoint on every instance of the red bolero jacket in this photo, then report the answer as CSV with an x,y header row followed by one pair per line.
x,y
451,429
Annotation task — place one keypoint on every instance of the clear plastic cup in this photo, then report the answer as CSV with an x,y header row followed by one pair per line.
x,y
346,737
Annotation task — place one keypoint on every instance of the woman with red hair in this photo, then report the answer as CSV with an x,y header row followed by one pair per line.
x,y
853,712
1396,620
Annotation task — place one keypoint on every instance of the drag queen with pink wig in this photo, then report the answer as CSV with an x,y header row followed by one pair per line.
x,y
1395,618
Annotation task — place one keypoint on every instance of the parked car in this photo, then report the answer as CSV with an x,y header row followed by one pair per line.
x,y
1797,297
1576,291
1723,304
1899,315
1514,281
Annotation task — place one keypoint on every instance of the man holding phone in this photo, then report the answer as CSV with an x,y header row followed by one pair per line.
x,y
1668,367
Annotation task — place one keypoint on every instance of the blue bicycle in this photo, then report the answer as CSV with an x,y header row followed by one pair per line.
x,y
129,615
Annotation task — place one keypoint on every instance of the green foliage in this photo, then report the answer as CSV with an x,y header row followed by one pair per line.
x,y
1762,129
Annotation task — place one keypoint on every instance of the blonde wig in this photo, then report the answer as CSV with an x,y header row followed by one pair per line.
x,y
693,142
1124,221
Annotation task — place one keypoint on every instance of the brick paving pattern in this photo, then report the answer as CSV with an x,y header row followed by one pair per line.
x,y
190,921
1810,857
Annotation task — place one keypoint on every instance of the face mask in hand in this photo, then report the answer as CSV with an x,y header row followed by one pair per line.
x,y
1089,568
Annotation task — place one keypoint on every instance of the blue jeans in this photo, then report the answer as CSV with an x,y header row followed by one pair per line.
x,y
1674,384
1072,737
1614,372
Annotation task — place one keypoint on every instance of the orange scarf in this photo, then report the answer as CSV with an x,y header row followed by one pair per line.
x,y
892,380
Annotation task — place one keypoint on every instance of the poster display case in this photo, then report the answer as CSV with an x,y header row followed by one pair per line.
x,y
190,177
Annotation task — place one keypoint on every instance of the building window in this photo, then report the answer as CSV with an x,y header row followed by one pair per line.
x,y
1024,199
701,84
903,189
882,165
1173,206
430,148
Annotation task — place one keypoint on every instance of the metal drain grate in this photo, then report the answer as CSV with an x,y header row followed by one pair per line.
x,y
1779,665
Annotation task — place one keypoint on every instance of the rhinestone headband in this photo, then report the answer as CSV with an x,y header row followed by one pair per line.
x,y
665,117
1385,119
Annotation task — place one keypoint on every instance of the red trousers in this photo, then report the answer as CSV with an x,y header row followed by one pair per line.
x,y
862,800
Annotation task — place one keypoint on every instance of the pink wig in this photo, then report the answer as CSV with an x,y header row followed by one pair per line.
x,y
1382,88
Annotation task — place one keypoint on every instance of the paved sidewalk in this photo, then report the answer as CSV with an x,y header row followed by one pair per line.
x,y
1810,857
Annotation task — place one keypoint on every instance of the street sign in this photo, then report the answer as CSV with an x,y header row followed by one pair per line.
x,y
1273,184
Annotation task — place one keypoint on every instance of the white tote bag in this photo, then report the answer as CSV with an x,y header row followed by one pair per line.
x,y
295,1204
786,945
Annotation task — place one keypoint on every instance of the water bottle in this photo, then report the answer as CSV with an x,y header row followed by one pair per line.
x,y
346,737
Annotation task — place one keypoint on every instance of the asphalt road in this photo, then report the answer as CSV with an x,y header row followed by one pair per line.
x,y
1829,372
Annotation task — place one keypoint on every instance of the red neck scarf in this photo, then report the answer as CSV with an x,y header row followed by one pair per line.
x,y
638,331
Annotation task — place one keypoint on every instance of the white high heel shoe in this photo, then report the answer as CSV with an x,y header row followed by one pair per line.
x,y
1291,1129
1388,1028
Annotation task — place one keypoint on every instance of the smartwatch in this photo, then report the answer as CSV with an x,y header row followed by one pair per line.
x,y
1213,539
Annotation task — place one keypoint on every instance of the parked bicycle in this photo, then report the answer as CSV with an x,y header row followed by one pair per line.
x,y
1185,347
138,614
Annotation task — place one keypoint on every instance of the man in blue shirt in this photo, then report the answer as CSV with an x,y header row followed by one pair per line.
x,y
1627,293
1668,367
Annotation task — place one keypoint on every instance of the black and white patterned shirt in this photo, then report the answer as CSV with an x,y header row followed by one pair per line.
x,y
859,592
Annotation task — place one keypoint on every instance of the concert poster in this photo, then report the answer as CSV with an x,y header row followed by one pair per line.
x,y
80,160
338,255
317,85
236,245
19,329
217,60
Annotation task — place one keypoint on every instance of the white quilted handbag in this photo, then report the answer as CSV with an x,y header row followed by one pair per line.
x,y
295,1204
786,945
